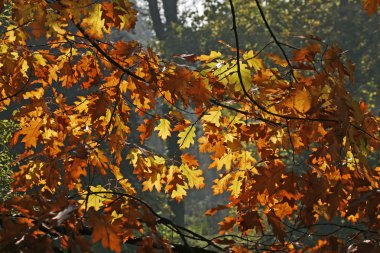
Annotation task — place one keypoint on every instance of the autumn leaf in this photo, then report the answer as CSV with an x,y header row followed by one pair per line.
x,y
163,128
179,192
227,225
176,186
146,129
301,101
225,161
235,185
213,116
278,60
34,94
94,23
245,76
31,132
104,230
119,14
94,200
251,220
371,6
190,160
253,61
214,210
221,184
207,58
186,137
194,176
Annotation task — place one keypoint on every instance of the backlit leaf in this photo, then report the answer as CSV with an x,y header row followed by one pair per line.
x,y
210,57
31,132
94,23
213,116
95,200
194,176
163,128
104,231
186,137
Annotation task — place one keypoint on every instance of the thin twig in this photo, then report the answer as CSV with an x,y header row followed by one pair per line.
x,y
262,108
279,44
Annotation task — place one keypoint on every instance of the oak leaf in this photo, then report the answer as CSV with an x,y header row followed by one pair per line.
x,y
163,128
31,132
194,176
213,116
186,137
104,230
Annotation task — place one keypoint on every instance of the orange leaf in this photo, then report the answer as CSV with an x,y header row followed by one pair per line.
x,y
31,132
227,225
190,160
104,230
371,6
214,210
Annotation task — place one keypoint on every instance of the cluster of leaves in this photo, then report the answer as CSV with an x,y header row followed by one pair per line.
x,y
342,22
77,91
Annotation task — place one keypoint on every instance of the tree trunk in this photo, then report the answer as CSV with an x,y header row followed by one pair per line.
x,y
171,11
158,26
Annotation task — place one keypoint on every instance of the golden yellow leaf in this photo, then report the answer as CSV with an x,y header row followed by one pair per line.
x,y
48,134
236,184
213,116
176,186
153,182
210,57
253,62
82,105
94,200
94,24
225,160
220,184
36,94
163,128
245,76
179,192
186,137
24,68
40,59
194,176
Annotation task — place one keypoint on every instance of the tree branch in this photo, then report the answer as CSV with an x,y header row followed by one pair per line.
x,y
262,108
162,220
279,44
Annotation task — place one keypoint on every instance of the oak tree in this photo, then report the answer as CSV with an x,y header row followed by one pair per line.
x,y
291,147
